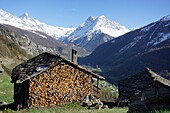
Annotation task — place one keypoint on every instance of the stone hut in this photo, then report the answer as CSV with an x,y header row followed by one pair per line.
x,y
48,80
145,91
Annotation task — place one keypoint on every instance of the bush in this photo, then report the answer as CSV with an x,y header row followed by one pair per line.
x,y
108,95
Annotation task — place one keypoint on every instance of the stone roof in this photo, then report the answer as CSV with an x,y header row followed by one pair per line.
x,y
135,84
40,63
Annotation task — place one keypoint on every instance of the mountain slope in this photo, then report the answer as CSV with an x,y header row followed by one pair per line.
x,y
126,55
38,42
31,42
95,31
10,49
26,22
11,54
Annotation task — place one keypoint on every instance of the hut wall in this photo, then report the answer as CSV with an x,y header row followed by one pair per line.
x,y
163,91
60,84
158,91
161,97
157,96
21,94
137,103
149,92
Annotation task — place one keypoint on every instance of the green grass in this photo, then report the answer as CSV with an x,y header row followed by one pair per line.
x,y
6,89
161,111
71,108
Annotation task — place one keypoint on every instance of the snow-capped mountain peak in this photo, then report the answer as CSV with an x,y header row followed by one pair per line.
x,y
152,25
31,22
165,18
91,18
101,18
98,24
26,22
96,29
25,15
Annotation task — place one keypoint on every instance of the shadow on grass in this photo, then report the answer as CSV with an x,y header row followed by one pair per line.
x,y
110,104
11,106
152,110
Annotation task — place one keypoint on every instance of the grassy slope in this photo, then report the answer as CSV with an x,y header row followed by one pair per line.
x,y
11,54
70,108
10,49
6,89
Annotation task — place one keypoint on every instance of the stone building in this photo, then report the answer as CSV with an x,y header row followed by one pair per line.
x,y
48,80
145,91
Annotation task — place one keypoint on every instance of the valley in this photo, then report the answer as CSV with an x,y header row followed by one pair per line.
x,y
117,51
82,66
130,53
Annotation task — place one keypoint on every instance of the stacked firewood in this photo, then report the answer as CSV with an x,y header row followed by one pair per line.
x,y
60,84
96,91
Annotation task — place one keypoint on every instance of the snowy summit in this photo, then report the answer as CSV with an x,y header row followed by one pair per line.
x,y
95,25
24,15
26,22
165,18
94,32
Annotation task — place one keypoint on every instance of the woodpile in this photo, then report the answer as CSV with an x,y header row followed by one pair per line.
x,y
48,80
96,91
59,85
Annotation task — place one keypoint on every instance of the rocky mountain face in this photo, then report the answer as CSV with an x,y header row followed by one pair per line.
x,y
94,32
38,42
29,41
11,50
128,54
11,54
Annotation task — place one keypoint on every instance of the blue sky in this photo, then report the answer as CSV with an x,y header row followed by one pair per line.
x,y
65,13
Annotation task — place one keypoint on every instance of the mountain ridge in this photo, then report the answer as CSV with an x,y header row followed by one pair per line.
x,y
91,31
148,46
89,35
26,22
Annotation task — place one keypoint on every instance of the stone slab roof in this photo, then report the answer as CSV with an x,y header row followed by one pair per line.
x,y
135,84
40,63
